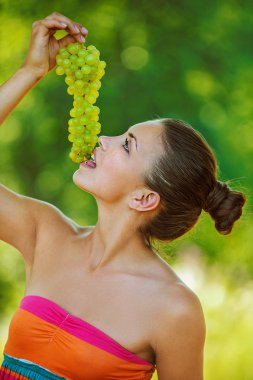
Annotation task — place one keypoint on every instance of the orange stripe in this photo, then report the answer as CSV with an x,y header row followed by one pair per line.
x,y
41,342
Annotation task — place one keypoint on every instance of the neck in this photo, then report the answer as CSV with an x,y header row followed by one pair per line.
x,y
115,245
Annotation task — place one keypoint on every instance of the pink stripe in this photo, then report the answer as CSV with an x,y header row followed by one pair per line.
x,y
53,313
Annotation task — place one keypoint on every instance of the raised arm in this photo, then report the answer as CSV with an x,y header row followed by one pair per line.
x,y
14,89
21,216
40,59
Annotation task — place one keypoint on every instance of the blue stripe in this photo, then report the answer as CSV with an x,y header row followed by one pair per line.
x,y
28,369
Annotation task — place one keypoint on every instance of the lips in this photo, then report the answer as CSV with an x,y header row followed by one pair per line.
x,y
89,164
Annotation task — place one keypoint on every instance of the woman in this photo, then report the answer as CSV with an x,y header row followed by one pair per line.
x,y
100,303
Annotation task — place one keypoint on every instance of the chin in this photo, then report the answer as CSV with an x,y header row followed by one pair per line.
x,y
81,181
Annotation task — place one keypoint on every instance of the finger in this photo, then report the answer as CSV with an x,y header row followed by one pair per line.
x,y
70,25
74,28
83,29
43,28
53,24
75,31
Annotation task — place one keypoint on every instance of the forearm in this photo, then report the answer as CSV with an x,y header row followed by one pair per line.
x,y
14,89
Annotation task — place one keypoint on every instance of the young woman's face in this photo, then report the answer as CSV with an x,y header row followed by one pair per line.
x,y
121,162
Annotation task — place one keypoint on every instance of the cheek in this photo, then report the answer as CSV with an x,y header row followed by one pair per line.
x,y
116,177
114,169
113,161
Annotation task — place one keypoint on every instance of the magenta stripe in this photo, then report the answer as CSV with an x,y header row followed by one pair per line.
x,y
4,375
53,313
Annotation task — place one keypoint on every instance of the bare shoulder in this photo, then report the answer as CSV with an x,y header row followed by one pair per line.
x,y
178,331
176,299
54,228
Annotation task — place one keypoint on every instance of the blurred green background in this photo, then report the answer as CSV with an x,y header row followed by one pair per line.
x,y
184,59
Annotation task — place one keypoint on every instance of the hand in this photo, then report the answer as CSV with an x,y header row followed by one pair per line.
x,y
44,46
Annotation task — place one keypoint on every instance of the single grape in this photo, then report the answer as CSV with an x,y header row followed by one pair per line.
x,y
93,78
80,61
79,99
82,53
96,130
71,89
76,121
85,69
73,58
72,48
80,128
89,109
64,54
73,67
71,137
79,160
78,74
79,141
94,117
90,98
66,62
73,156
93,69
96,85
75,148
90,149
71,122
79,83
72,130
90,59
84,147
78,46
69,80
91,125
79,91
59,70
68,71
79,111
72,112
96,110
87,136
93,139
102,64
83,119
94,93
91,47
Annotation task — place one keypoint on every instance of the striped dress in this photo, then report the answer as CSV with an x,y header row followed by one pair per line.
x,y
46,342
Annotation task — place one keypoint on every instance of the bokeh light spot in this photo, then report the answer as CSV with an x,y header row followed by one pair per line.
x,y
134,57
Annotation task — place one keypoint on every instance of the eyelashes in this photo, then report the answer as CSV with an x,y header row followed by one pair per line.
x,y
126,142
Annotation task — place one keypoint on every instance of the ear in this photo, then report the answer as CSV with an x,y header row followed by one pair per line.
x,y
144,200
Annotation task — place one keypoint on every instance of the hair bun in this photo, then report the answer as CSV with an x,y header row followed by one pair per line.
x,y
224,205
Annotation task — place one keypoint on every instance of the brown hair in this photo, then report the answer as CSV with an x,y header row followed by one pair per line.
x,y
185,177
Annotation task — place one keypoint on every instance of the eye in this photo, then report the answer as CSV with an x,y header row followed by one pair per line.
x,y
126,142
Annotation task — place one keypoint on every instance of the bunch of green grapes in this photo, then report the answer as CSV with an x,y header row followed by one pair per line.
x,y
83,70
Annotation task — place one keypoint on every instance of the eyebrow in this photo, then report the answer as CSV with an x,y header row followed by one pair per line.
x,y
134,137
